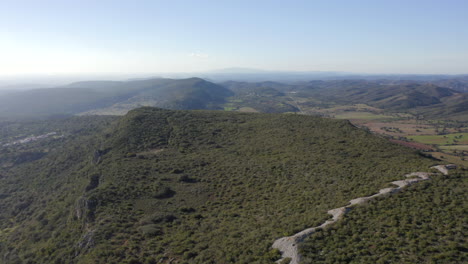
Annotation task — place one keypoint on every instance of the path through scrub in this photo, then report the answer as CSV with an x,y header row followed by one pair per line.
x,y
289,245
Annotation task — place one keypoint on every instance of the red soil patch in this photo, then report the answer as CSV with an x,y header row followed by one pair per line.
x,y
414,145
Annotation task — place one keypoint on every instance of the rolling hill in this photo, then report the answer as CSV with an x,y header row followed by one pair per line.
x,y
113,97
390,97
424,99
453,107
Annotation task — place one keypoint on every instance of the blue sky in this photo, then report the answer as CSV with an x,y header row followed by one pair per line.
x,y
368,36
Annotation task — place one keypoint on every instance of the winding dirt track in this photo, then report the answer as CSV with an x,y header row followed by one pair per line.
x,y
289,245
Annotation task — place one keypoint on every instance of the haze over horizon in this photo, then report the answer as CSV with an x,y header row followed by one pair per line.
x,y
145,37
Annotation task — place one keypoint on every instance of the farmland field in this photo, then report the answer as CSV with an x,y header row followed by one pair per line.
x,y
412,144
455,147
247,110
400,128
449,158
449,139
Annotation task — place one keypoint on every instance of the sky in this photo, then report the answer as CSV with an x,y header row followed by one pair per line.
x,y
138,36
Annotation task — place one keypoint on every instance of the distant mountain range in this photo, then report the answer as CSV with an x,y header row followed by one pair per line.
x,y
234,74
443,98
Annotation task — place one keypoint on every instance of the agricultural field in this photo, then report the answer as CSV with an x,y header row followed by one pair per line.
x,y
455,147
355,112
460,160
248,110
444,140
229,108
335,109
400,128
449,139
413,145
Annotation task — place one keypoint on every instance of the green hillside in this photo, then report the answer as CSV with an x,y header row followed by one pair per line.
x,y
425,223
422,99
390,97
397,97
454,108
187,186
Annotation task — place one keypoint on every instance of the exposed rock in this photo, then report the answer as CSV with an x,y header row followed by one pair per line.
x,y
85,208
93,182
444,169
86,242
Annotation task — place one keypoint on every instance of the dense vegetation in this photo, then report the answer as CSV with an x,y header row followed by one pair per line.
x,y
425,223
192,186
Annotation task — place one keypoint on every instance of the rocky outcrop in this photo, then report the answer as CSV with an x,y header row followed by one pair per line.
x,y
86,242
93,182
85,208
444,169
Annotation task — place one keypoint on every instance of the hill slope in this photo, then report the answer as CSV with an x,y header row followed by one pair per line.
x,y
425,223
395,97
188,186
424,99
113,97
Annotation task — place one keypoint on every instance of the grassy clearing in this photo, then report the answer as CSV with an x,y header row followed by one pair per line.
x,y
400,129
449,158
248,110
455,147
449,139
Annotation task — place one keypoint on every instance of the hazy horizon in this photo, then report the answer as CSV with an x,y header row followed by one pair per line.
x,y
144,37
32,81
